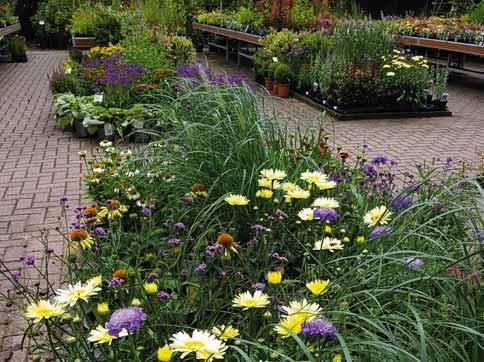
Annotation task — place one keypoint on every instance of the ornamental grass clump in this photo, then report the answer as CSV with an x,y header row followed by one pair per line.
x,y
330,265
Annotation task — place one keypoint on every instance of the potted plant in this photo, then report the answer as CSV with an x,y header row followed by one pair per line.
x,y
271,84
282,75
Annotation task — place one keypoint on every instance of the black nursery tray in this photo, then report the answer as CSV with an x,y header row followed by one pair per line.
x,y
372,113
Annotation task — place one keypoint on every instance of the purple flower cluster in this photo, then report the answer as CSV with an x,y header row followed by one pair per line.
x,y
129,318
201,268
325,214
319,327
114,71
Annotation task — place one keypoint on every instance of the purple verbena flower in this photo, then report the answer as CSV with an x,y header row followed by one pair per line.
x,y
163,296
201,268
180,226
28,260
174,242
128,319
319,327
115,282
212,250
379,160
99,231
259,228
15,275
63,200
146,211
259,286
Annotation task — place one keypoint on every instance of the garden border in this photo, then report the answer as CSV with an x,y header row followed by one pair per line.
x,y
376,115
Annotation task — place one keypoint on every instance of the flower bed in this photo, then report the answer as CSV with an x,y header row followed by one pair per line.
x,y
229,239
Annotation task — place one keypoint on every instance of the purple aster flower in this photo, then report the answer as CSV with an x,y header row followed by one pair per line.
x,y
129,318
259,286
275,255
163,296
99,231
379,160
222,274
180,226
414,263
325,214
401,202
380,231
146,211
201,268
174,242
319,327
28,260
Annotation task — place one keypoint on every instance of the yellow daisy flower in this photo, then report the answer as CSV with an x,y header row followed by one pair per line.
x,y
318,286
274,277
248,301
291,323
314,177
271,174
164,353
113,210
225,332
264,194
328,185
378,215
236,200
306,214
43,309
330,244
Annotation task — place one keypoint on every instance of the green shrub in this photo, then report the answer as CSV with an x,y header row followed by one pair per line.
x,y
180,50
283,73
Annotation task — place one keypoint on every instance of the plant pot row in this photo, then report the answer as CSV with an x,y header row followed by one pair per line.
x,y
279,89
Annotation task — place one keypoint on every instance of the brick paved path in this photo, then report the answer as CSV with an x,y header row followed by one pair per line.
x,y
409,141
38,164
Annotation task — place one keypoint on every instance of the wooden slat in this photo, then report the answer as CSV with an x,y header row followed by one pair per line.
x,y
10,29
237,35
450,46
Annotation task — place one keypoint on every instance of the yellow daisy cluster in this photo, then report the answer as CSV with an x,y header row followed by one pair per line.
x,y
378,215
105,51
397,61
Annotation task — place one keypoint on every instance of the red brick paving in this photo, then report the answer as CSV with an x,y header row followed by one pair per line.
x,y
38,164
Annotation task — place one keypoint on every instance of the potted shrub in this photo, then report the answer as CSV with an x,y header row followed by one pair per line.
x,y
283,75
270,84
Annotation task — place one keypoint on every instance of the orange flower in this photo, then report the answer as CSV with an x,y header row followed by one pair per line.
x,y
120,274
227,241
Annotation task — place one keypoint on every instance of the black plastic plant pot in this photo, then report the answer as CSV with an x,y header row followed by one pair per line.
x,y
101,134
81,131
69,128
